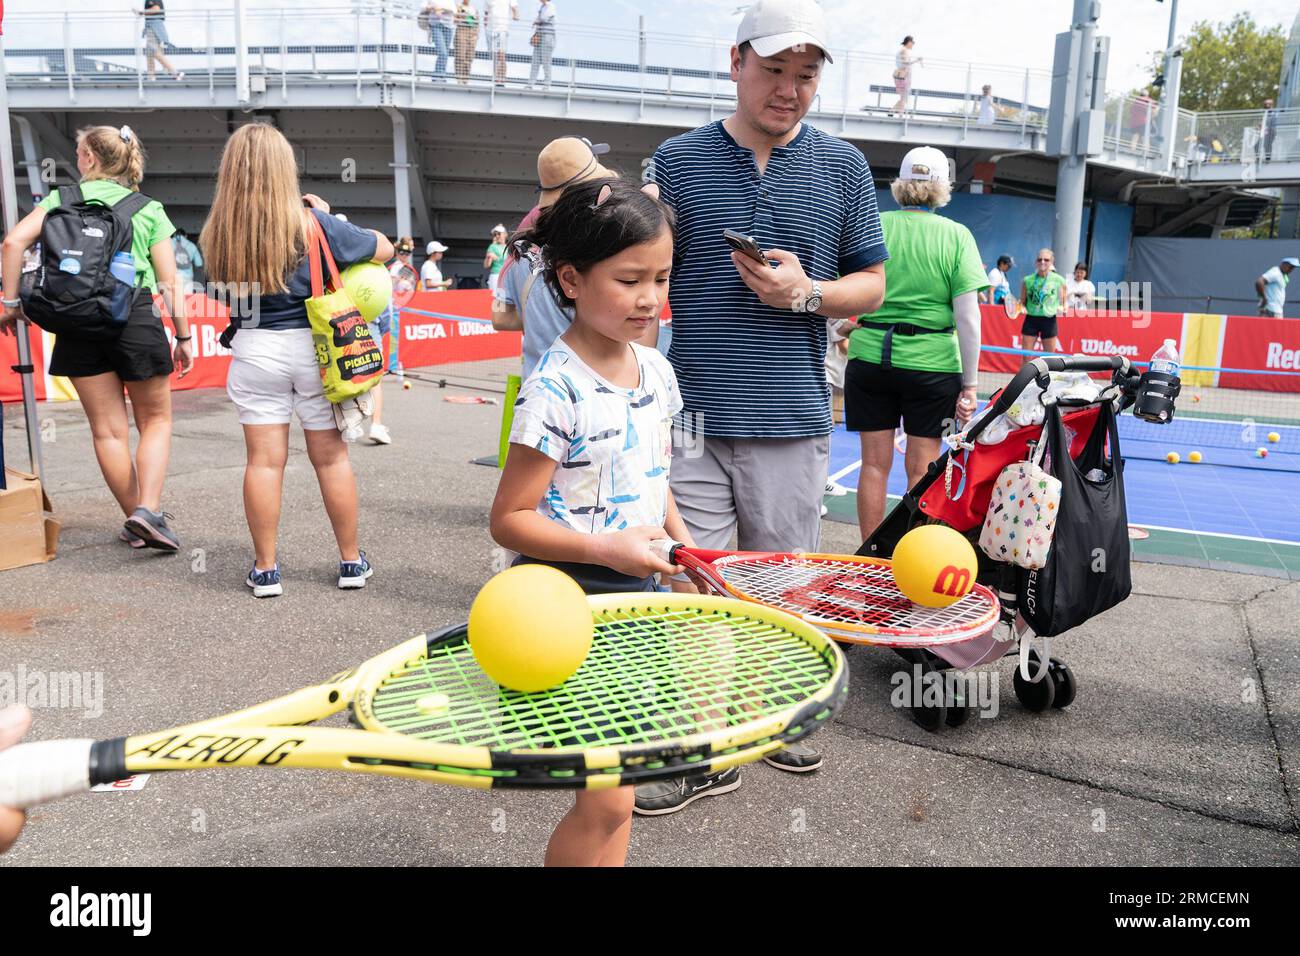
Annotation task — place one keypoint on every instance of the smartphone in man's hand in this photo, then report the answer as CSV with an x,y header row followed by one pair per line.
x,y
745,245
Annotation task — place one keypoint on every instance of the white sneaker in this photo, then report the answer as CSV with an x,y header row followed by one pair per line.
x,y
835,489
824,510
379,435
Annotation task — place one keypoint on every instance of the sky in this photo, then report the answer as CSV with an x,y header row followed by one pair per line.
x,y
1012,33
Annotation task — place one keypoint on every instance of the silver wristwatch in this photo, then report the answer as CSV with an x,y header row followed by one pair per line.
x,y
814,300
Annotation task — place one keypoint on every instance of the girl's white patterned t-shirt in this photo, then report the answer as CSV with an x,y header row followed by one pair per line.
x,y
611,445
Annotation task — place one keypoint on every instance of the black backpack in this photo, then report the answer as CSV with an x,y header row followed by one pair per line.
x,y
74,292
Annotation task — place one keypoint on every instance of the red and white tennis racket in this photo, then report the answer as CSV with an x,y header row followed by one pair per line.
x,y
849,597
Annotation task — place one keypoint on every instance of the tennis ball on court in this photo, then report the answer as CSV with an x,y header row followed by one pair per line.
x,y
1173,458
1196,398
370,286
1261,452
406,385
530,627
934,565
1274,437
1194,457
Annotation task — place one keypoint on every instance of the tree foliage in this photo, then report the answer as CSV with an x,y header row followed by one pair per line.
x,y
1230,65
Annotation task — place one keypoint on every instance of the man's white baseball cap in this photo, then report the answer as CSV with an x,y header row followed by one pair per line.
x,y
770,26
926,164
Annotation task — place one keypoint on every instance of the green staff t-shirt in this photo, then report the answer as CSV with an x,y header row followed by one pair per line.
x,y
932,260
1043,294
498,249
149,226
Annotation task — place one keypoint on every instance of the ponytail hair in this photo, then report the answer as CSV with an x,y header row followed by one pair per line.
x,y
591,222
118,153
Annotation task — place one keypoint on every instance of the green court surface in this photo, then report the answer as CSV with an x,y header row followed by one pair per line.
x,y
1218,552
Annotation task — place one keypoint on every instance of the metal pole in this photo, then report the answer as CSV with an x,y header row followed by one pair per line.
x,y
965,113
1024,107
284,72
401,172
9,195
641,65
212,55
241,56
358,52
68,62
1072,170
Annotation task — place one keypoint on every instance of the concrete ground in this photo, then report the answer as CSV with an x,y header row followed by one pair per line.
x,y
1183,746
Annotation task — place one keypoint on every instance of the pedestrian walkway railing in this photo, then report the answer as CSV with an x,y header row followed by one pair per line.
x,y
286,50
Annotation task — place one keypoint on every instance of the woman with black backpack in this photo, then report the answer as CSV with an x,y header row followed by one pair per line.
x,y
102,356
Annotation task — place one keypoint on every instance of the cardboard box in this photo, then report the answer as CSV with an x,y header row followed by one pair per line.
x,y
29,532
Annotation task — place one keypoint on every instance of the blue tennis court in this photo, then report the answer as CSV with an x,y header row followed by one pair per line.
x,y
1259,499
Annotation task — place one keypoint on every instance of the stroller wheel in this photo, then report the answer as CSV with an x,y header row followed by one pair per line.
x,y
930,716
958,714
1038,696
1059,673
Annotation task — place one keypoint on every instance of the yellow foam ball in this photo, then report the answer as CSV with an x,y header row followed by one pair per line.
x,y
530,627
1194,457
1274,437
1173,458
406,385
934,565
370,286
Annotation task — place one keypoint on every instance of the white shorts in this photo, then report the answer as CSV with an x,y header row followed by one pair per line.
x,y
273,374
494,280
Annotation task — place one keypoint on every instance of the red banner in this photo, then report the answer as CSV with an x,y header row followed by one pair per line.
x,y
1135,337
1255,342
437,328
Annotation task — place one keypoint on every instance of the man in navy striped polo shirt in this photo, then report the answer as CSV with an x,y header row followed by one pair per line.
x,y
749,337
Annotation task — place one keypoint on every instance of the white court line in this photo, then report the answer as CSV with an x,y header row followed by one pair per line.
x,y
1150,527
1218,534
844,471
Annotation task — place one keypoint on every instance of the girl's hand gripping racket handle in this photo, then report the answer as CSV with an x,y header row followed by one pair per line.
x,y
699,571
43,771
664,548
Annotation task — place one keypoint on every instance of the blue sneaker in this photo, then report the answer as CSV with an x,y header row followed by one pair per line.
x,y
265,583
353,574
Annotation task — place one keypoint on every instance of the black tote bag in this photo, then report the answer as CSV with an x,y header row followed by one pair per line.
x,y
1087,568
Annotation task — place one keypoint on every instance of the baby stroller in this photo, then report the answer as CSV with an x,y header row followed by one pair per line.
x,y
957,488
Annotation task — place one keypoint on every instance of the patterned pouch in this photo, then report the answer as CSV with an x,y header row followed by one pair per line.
x,y
1022,513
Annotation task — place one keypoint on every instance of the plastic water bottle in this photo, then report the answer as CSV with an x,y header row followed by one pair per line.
x,y
123,268
1166,359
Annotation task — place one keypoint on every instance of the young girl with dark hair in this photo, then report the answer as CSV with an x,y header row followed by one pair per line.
x,y
585,486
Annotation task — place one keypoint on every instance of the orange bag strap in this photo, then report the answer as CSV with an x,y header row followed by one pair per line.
x,y
318,247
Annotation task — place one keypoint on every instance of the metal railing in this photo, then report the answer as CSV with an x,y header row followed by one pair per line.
x,y
365,47
78,49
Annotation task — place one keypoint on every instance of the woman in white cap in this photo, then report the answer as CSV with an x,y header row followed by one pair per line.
x,y
431,279
495,258
916,359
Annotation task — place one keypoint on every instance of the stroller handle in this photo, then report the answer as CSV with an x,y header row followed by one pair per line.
x,y
1039,369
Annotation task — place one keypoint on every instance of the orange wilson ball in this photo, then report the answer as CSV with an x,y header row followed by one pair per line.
x,y
934,565
530,627
1261,452
1173,458
1194,457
